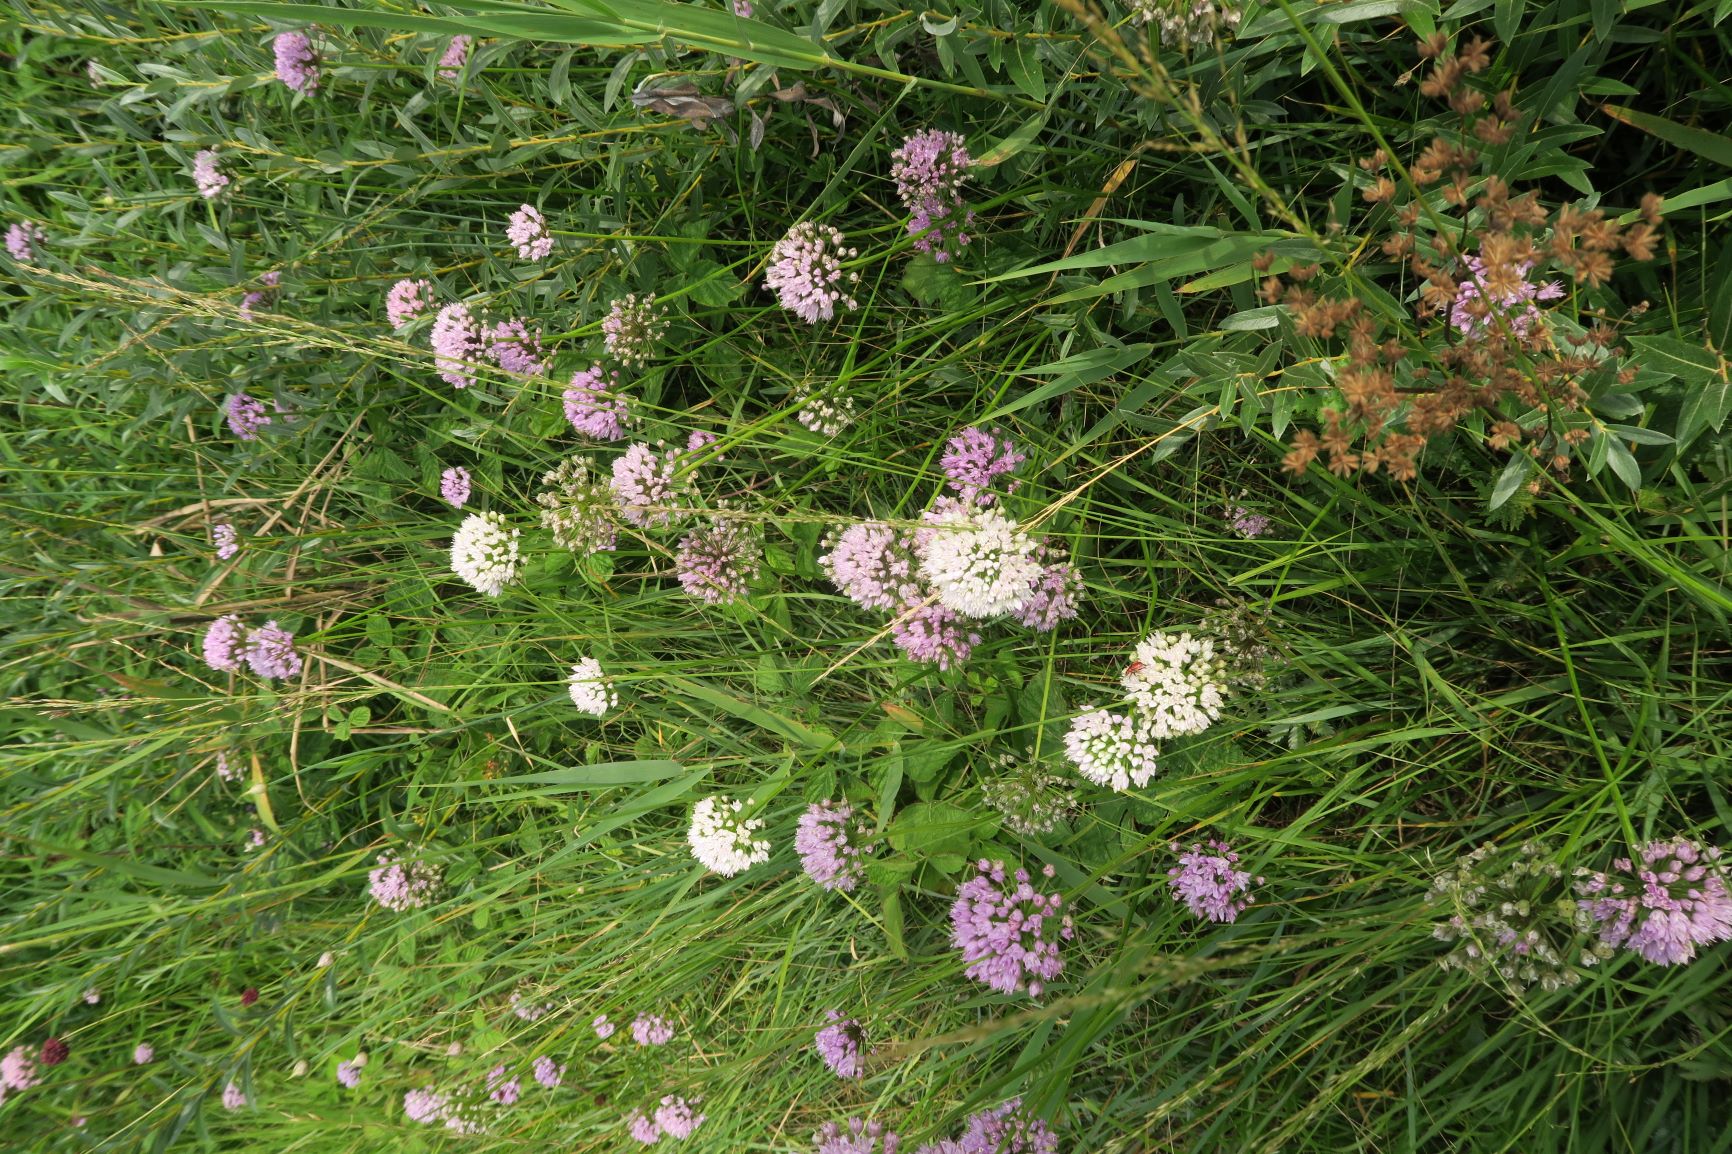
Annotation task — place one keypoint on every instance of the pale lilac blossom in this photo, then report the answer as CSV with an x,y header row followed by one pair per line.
x,y
548,1072
832,844
1514,309
806,273
502,1089
457,345
973,461
143,1054
1007,1129
349,1074
23,239
643,1128
233,1097
455,486
1663,906
223,642
1052,598
402,886
227,542
18,1069
632,327
1209,883
270,652
873,565
246,416
716,561
929,170
406,300
260,297
515,346
207,174
644,485
677,1118
839,1045
603,1028
297,63
595,406
651,1030
455,56
934,635
1009,932
858,1137
527,231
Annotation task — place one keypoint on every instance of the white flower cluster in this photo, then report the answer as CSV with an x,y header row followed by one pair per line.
x,y
1112,749
590,690
484,553
722,840
825,415
978,562
1175,684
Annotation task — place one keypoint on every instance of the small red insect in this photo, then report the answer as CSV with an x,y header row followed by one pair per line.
x,y
1133,667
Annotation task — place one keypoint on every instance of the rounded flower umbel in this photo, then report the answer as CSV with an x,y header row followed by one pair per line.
x,y
839,1044
455,486
595,406
1008,931
23,239
484,553
246,416
207,174
1511,915
724,841
632,328
978,562
833,845
1112,749
806,272
223,640
591,691
1031,800
717,561
1209,883
1176,680
270,652
677,1118
873,565
399,886
862,1137
297,63
1664,905
579,508
527,232
407,300
651,1030
457,344
645,486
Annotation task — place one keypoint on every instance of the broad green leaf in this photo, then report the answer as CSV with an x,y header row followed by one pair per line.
x,y
1710,145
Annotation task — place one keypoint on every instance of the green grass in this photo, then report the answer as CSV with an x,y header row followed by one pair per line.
x,y
1443,675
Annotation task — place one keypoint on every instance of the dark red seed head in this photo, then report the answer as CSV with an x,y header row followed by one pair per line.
x,y
54,1052
249,995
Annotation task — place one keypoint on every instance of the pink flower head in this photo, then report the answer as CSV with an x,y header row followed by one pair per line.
x,y
806,272
18,1070
644,485
839,1044
594,405
974,459
456,341
209,178
423,1105
501,1089
349,1074
23,238
264,295
246,416
716,561
1056,592
548,1072
527,230
456,55
297,63
1664,906
643,1128
454,486
516,347
873,565
863,1137
143,1054
270,652
1008,1129
1515,308
406,300
929,170
832,844
651,1030
1247,524
934,634
1209,883
401,887
223,641
602,1027
677,1118
233,1097
227,543
1009,931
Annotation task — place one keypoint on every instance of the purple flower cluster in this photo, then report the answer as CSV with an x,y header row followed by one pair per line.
x,y
973,461
873,565
297,63
674,1118
1007,1129
1663,906
259,297
548,1072
349,1074
455,486
832,844
651,1030
1515,308
209,178
934,635
1056,593
929,170
246,416
806,272
227,542
603,1028
716,561
1009,931
527,232
1209,883
595,406
858,1137
268,650
456,341
515,347
839,1045
406,300
502,1089
23,238
1247,524
644,485
18,1070
456,55
399,887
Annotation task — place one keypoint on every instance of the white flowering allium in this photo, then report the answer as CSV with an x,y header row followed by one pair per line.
x,y
978,562
723,840
484,552
1175,679
1112,749
590,690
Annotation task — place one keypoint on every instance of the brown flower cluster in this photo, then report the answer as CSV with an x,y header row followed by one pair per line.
x,y
1475,248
